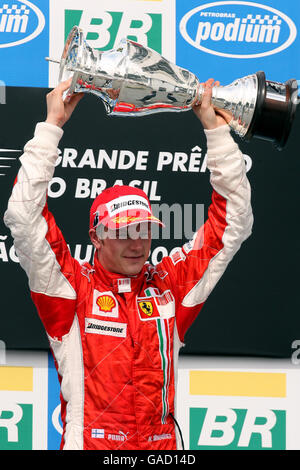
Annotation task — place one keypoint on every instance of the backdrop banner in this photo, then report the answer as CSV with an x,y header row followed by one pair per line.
x,y
254,308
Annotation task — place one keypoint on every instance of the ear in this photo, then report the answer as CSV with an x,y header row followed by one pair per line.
x,y
94,239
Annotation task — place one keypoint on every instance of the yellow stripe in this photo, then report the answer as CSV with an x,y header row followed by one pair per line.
x,y
16,379
248,384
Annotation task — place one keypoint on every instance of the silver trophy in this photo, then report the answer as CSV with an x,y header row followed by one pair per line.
x,y
133,80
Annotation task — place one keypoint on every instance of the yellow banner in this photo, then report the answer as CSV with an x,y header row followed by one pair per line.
x,y
16,379
248,384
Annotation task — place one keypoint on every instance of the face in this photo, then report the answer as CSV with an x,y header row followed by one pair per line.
x,y
124,251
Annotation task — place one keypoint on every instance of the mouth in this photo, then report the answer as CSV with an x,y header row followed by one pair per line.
x,y
134,258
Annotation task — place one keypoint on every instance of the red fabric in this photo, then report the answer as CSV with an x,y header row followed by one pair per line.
x,y
129,388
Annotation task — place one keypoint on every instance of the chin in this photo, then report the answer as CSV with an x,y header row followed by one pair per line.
x,y
133,270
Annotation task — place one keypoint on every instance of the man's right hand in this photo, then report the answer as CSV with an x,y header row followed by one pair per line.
x,y
58,110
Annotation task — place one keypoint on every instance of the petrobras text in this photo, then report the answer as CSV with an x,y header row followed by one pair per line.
x,y
238,29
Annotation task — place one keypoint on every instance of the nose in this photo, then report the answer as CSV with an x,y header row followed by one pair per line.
x,y
136,245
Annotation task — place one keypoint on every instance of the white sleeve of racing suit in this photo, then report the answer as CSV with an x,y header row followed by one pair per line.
x,y
228,179
202,261
27,215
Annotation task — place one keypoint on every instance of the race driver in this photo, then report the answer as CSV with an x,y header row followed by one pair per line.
x,y
115,327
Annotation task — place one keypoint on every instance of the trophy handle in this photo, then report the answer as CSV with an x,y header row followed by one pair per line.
x,y
274,111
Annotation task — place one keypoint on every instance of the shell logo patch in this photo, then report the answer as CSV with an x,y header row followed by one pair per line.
x,y
105,304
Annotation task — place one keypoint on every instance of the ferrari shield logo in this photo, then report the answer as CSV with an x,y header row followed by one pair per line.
x,y
146,307
156,305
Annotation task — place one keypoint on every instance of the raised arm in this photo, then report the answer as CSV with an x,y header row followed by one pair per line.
x,y
41,248
202,261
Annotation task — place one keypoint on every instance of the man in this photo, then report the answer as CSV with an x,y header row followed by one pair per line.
x,y
115,327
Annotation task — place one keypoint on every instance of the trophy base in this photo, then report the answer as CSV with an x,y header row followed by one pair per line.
x,y
274,112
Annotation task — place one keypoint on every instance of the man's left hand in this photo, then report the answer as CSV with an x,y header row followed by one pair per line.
x,y
205,111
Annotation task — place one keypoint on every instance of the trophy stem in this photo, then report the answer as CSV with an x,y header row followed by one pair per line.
x,y
199,95
258,107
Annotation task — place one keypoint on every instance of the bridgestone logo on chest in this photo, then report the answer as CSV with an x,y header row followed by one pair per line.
x,y
105,328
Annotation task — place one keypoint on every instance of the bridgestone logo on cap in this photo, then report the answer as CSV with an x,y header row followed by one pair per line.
x,y
105,328
125,203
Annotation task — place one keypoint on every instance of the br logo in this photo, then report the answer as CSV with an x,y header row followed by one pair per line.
x,y
104,29
228,428
16,408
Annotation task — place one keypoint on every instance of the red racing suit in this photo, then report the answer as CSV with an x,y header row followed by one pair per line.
x,y
116,340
